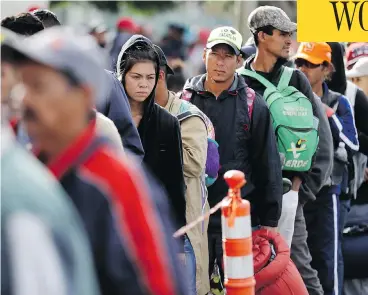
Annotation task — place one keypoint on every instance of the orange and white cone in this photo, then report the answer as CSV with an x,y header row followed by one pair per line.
x,y
237,238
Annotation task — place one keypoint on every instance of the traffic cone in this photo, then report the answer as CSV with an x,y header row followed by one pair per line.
x,y
237,238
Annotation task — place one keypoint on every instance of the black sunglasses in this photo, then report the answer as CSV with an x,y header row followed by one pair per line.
x,y
304,63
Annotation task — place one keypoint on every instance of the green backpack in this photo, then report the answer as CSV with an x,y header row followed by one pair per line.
x,y
295,126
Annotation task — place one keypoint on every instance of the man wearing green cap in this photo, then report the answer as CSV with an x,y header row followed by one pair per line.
x,y
243,131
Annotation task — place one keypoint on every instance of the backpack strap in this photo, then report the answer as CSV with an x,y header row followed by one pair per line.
x,y
252,74
251,95
285,78
187,114
186,95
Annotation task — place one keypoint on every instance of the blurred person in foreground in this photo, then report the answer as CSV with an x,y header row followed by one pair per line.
x,y
128,230
244,133
324,217
194,140
44,248
27,25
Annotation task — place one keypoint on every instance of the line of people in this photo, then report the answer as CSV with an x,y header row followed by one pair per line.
x,y
280,125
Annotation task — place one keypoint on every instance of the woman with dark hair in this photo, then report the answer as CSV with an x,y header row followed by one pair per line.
x,y
138,71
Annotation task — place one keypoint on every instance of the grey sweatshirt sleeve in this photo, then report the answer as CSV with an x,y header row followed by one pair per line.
x,y
322,166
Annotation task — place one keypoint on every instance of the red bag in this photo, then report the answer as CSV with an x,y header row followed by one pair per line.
x,y
277,276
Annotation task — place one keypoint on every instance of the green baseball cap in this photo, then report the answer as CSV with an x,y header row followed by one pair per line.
x,y
225,35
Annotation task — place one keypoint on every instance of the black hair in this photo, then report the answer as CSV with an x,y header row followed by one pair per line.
x,y
138,52
338,82
24,24
266,29
164,69
176,82
48,18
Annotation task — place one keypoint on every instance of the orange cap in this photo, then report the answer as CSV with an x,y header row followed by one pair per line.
x,y
314,52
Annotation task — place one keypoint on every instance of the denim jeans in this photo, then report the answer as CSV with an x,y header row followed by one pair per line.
x,y
190,263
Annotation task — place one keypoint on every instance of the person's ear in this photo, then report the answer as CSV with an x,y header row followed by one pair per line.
x,y
239,60
204,55
261,36
161,75
328,70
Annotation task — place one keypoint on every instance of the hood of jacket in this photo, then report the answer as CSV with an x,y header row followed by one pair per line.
x,y
338,81
149,103
197,84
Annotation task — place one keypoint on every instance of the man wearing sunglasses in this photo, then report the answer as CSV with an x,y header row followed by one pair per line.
x,y
321,216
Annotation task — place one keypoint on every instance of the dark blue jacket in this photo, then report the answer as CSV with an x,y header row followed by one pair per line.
x,y
116,107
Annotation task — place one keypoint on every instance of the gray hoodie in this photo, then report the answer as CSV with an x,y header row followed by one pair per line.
x,y
319,175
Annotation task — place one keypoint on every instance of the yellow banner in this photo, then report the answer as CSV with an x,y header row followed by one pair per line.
x,y
332,21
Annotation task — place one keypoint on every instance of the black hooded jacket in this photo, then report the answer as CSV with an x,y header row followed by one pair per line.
x,y
248,146
161,139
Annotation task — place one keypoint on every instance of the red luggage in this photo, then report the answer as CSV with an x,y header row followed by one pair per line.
x,y
278,276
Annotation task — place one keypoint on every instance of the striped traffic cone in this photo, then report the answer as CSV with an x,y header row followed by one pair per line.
x,y
237,238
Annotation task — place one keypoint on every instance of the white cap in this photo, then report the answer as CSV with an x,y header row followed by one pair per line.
x,y
360,69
